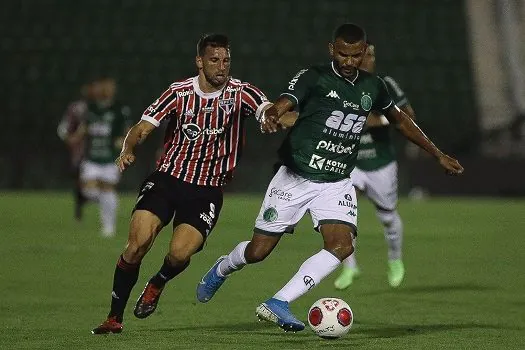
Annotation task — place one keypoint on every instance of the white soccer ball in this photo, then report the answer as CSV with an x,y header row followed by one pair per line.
x,y
330,317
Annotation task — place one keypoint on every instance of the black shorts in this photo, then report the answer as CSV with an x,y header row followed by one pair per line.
x,y
170,198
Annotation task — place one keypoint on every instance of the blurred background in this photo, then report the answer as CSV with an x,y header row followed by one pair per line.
x,y
460,63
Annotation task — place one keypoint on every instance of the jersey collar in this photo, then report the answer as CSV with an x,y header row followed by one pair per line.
x,y
203,94
339,75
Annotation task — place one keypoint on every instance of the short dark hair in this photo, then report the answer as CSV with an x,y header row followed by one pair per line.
x,y
350,33
213,40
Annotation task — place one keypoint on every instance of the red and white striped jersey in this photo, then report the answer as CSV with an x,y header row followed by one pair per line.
x,y
205,132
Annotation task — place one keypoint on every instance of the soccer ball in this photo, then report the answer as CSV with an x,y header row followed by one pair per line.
x,y
330,317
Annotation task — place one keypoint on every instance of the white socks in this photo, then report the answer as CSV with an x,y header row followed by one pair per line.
x,y
108,212
350,262
311,272
91,193
234,261
393,233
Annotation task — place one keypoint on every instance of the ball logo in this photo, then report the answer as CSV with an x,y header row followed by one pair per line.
x,y
344,317
315,316
348,197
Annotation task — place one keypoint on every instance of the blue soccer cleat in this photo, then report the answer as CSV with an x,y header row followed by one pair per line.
x,y
277,311
210,283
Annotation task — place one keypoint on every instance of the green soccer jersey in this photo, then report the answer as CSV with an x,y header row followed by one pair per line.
x,y
376,148
104,126
322,145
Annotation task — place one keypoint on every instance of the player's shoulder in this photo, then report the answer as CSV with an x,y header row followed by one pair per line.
x,y
182,84
236,85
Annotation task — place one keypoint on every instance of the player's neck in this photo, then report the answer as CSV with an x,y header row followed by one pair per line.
x,y
206,87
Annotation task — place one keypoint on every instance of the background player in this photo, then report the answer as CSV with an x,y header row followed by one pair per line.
x,y
105,123
375,175
318,154
72,134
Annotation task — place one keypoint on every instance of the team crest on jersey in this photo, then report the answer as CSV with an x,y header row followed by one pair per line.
x,y
226,104
270,214
366,102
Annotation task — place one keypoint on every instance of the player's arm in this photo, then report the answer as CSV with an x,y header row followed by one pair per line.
x,y
298,90
411,131
151,118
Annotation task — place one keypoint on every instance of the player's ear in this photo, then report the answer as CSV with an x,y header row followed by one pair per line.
x,y
198,62
331,49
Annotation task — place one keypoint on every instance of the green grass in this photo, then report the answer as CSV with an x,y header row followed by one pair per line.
x,y
464,287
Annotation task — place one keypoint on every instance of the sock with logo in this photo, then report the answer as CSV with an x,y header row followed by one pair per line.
x,y
167,272
311,272
124,279
234,261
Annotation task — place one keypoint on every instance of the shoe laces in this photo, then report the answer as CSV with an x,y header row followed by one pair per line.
x,y
150,293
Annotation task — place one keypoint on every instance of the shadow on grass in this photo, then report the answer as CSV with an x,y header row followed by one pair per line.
x,y
460,287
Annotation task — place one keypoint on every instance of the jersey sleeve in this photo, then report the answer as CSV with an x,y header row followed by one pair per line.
x,y
253,101
161,107
300,85
383,100
397,94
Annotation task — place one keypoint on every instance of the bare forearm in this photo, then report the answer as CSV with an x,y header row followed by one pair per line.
x,y
135,136
412,132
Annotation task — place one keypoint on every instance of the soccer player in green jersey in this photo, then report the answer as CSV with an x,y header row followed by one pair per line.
x,y
375,175
318,155
105,124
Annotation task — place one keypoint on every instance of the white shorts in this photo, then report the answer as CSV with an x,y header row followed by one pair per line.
x,y
379,185
289,196
90,171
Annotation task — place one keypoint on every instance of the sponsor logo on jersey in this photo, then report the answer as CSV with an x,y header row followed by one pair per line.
x,y
184,93
366,102
280,194
270,214
321,163
350,104
344,126
335,148
99,129
291,83
333,94
233,89
193,131
208,109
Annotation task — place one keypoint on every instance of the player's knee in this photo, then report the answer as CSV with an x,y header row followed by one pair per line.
x,y
342,248
134,252
179,256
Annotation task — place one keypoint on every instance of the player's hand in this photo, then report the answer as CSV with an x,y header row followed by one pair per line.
x,y
124,160
451,165
269,124
288,119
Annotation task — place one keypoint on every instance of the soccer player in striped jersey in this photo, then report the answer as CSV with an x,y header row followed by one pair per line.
x,y
203,142
375,175
318,155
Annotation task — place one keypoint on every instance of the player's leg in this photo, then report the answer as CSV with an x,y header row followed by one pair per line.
x,y
334,213
89,173
108,199
383,193
350,269
143,229
152,212
282,208
196,215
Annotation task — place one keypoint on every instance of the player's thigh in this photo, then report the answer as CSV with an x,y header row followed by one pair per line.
x,y
359,179
109,174
382,189
199,208
285,202
89,174
336,203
